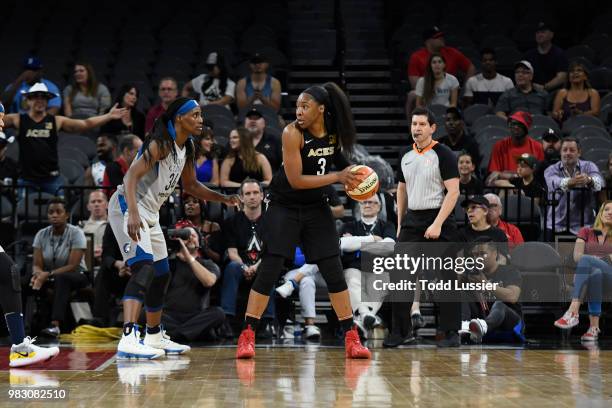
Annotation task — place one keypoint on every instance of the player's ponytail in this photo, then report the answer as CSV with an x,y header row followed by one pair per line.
x,y
338,118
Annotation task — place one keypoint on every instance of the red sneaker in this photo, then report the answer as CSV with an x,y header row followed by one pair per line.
x,y
353,346
246,344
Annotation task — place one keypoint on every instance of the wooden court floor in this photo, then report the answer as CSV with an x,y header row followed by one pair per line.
x,y
318,376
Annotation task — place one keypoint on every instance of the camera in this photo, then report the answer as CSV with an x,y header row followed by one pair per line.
x,y
183,233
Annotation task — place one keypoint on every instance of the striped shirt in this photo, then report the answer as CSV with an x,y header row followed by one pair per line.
x,y
424,174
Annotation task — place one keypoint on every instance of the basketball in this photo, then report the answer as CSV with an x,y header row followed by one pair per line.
x,y
369,183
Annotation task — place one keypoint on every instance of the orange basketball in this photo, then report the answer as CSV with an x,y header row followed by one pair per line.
x,y
369,183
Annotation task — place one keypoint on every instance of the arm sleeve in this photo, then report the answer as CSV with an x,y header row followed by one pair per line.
x,y
496,163
104,97
583,234
418,89
513,278
197,83
230,89
67,91
211,266
37,240
453,81
447,162
469,87
78,239
503,103
593,172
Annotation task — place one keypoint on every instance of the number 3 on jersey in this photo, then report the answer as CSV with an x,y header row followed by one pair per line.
x,y
171,181
322,162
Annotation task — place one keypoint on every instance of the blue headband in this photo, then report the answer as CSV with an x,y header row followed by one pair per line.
x,y
186,107
1,108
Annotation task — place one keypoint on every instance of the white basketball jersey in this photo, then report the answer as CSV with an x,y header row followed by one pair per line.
x,y
158,184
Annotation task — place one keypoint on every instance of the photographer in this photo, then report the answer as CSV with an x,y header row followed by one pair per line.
x,y
498,311
187,315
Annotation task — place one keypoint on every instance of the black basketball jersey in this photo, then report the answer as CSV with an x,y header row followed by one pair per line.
x,y
38,148
318,155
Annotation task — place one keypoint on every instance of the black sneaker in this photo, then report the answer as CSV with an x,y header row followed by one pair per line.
x,y
417,321
265,331
51,331
451,339
396,339
226,331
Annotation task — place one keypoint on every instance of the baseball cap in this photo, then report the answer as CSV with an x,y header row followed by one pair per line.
x,y
39,88
551,135
212,58
543,26
257,58
432,32
523,118
254,111
4,139
32,63
476,199
528,159
456,111
525,64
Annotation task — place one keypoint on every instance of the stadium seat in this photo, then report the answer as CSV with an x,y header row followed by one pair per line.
x,y
473,112
575,122
488,121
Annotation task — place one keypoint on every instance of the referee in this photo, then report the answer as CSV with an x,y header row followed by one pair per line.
x,y
427,192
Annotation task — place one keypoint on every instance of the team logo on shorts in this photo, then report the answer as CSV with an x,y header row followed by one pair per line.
x,y
127,248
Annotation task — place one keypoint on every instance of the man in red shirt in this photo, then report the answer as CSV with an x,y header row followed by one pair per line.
x,y
417,65
506,151
494,217
167,91
114,171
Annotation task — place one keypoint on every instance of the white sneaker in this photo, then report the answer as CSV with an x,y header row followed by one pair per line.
x,y
286,289
312,332
131,346
27,353
478,328
162,341
465,327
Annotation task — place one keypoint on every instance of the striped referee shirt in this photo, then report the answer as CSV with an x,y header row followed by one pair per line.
x,y
424,174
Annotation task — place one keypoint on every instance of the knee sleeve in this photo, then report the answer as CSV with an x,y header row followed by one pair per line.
x,y
331,269
154,298
10,285
140,281
267,274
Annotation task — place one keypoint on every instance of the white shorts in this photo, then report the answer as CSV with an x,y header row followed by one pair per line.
x,y
152,244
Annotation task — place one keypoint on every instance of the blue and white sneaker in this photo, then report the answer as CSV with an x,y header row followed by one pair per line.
x,y
131,347
162,341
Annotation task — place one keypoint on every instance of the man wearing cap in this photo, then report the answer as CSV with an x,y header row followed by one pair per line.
x,y
264,143
524,95
548,60
581,179
477,210
456,61
167,91
456,138
213,87
551,143
486,87
33,73
503,162
259,87
37,137
524,179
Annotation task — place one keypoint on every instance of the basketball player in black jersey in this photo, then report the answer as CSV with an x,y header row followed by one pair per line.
x,y
298,212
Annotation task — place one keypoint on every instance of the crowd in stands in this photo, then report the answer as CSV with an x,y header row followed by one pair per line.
x,y
521,146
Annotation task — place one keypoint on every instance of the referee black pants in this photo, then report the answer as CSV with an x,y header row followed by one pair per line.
x,y
413,230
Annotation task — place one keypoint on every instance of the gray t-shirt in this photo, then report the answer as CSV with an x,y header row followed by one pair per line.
x,y
442,91
56,249
84,106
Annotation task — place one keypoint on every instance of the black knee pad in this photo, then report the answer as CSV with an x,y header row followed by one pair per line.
x,y
10,285
267,274
331,270
154,298
140,281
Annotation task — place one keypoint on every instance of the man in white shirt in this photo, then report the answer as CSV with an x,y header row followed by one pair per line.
x,y
486,87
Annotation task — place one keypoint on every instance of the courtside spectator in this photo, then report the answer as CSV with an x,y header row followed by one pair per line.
x,y
243,161
524,179
14,97
114,171
469,183
477,209
486,88
133,120
457,138
97,205
195,215
85,97
106,147
548,60
581,179
551,144
259,87
37,137
503,162
207,163
437,87
58,262
524,95
213,87
264,143
514,235
167,91
578,97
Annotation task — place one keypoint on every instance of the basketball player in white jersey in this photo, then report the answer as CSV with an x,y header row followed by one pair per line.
x,y
166,156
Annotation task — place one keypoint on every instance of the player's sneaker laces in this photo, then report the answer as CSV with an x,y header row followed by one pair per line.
x,y
130,346
163,342
27,353
246,344
567,321
353,347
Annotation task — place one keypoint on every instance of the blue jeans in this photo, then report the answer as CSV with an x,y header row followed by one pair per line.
x,y
598,274
232,276
52,186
